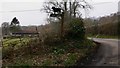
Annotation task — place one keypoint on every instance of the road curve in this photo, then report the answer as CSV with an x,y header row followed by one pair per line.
x,y
108,53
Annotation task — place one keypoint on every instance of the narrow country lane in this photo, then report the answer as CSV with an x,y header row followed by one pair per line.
x,y
108,52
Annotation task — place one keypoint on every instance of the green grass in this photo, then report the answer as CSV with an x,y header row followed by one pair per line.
x,y
103,36
15,41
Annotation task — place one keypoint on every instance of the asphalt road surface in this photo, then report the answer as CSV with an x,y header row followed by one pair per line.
x,y
108,53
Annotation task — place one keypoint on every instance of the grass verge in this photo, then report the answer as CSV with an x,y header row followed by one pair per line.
x,y
104,36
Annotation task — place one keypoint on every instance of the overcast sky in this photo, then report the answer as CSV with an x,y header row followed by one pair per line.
x,y
36,17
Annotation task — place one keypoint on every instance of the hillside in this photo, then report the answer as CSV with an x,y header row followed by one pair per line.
x,y
107,25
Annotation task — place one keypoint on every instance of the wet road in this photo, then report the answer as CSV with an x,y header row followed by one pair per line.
x,y
108,53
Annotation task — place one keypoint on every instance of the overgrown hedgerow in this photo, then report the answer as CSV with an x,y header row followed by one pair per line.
x,y
64,54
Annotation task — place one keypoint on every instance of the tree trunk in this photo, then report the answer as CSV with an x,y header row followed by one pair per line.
x,y
70,9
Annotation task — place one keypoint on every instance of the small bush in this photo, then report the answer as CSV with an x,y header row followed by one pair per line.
x,y
71,59
76,30
58,51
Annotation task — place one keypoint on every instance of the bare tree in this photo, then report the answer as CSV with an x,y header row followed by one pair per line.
x,y
71,9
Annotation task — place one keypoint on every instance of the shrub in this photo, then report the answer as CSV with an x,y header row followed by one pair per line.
x,y
58,51
71,59
76,29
